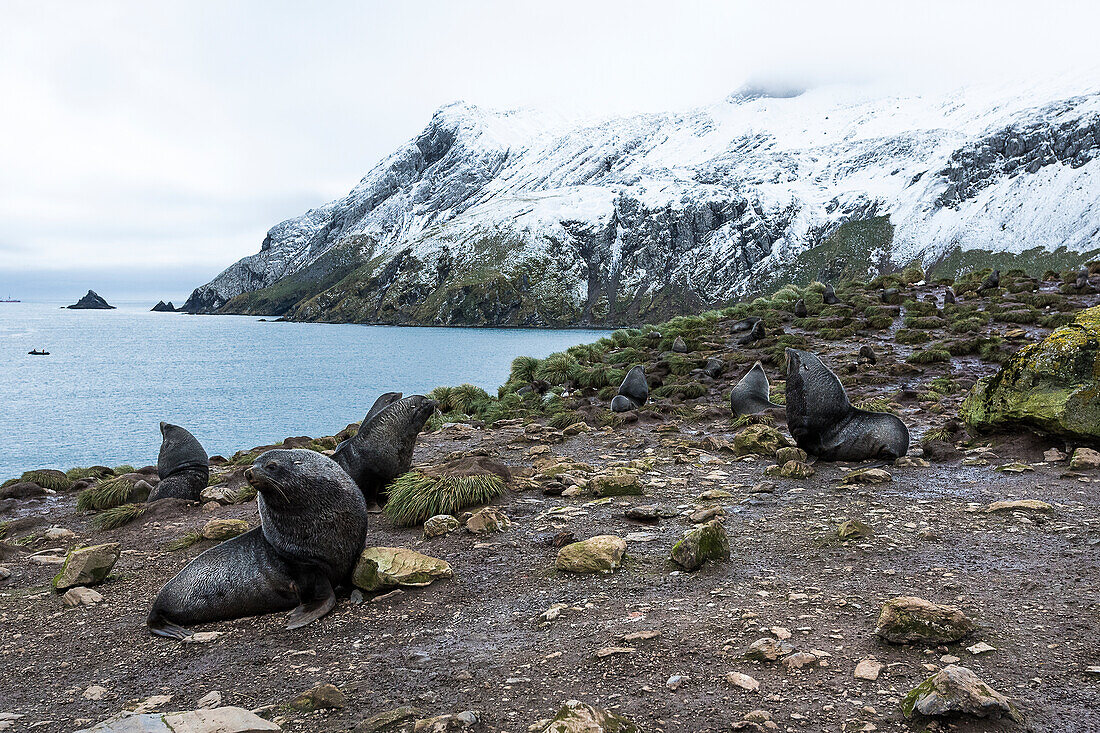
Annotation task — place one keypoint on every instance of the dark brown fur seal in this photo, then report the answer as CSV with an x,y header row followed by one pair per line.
x,y
382,449
183,466
829,296
756,333
313,522
800,310
825,424
750,395
633,392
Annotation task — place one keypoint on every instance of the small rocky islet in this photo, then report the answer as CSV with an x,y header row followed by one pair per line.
x,y
668,567
91,301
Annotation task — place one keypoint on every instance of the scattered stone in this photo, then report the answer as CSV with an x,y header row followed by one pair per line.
x,y
745,682
645,513
224,529
1033,505
600,554
911,462
956,690
708,543
87,566
713,494
616,485
1085,459
675,682
853,529
451,721
798,660
701,516
95,692
868,669
791,469
386,567
218,720
578,717
643,635
389,721
5,573
791,453
761,440
203,637
609,651
980,648
488,520
768,649
868,476
58,533
1054,456
81,596
439,525
679,346
210,700
320,697
220,494
908,619
764,487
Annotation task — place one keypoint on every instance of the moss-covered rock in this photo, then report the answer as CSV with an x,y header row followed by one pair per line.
x,y
908,619
87,566
616,485
579,717
853,529
601,554
956,690
763,440
386,567
1052,386
707,543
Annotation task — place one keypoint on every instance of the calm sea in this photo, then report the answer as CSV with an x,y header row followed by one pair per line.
x,y
234,381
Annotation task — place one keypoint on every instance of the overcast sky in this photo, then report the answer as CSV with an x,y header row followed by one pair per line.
x,y
149,145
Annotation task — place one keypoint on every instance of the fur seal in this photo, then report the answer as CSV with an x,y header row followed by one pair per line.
x,y
948,296
1082,281
866,353
380,404
183,466
829,296
755,334
313,522
800,309
633,392
750,395
382,449
825,424
992,282
745,324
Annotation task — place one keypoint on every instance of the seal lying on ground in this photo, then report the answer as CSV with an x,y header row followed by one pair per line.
x,y
313,521
382,449
824,423
633,392
750,395
756,333
183,466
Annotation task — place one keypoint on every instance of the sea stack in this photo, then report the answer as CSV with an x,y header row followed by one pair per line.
x,y
91,301
162,307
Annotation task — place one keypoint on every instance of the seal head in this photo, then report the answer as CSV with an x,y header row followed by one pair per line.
x,y
183,466
313,522
824,423
750,395
382,449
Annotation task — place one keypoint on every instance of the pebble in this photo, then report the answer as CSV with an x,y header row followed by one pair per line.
x,y
868,669
744,681
675,681
95,692
81,596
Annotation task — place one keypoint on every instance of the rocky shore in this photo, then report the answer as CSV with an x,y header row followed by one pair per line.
x,y
671,568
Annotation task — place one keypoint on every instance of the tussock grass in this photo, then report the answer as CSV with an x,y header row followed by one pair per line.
x,y
415,496
109,494
48,480
116,517
523,369
558,369
96,472
929,356
876,404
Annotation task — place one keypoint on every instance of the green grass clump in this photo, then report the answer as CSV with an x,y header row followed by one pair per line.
x,y
878,323
921,308
565,419
185,541
463,399
912,336
558,369
684,390
1057,320
110,494
926,322
963,347
876,404
523,369
929,356
968,324
47,480
939,434
95,472
838,333
415,496
598,376
681,364
124,468
115,517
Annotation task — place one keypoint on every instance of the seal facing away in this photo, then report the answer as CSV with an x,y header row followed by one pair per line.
x,y
829,296
750,395
313,522
183,466
382,449
633,392
824,423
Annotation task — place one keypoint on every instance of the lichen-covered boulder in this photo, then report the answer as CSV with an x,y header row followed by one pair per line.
x,y
87,566
439,525
578,717
703,544
908,619
488,520
1052,386
956,690
224,529
763,440
600,554
616,485
386,567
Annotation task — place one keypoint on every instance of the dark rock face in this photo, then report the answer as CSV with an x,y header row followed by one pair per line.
x,y
162,307
91,301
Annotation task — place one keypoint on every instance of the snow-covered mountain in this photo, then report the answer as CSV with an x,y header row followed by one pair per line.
x,y
516,218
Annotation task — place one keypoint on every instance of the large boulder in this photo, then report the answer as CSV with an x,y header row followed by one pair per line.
x,y
763,440
956,690
386,567
705,543
578,717
600,554
87,566
1052,386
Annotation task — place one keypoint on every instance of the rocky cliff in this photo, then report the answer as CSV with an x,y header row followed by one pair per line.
x,y
512,218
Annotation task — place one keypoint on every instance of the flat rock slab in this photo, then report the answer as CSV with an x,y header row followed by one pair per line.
x,y
386,567
218,720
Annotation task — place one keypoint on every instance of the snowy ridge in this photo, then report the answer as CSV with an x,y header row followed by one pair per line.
x,y
598,222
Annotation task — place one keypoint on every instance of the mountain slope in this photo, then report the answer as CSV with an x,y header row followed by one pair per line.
x,y
512,218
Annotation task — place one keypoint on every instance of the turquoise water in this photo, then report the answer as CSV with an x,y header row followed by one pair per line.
x,y
234,381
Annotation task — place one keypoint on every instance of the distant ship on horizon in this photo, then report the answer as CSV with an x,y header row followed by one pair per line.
x,y
10,299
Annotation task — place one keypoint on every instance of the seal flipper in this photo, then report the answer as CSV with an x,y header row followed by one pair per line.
x,y
159,625
318,598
